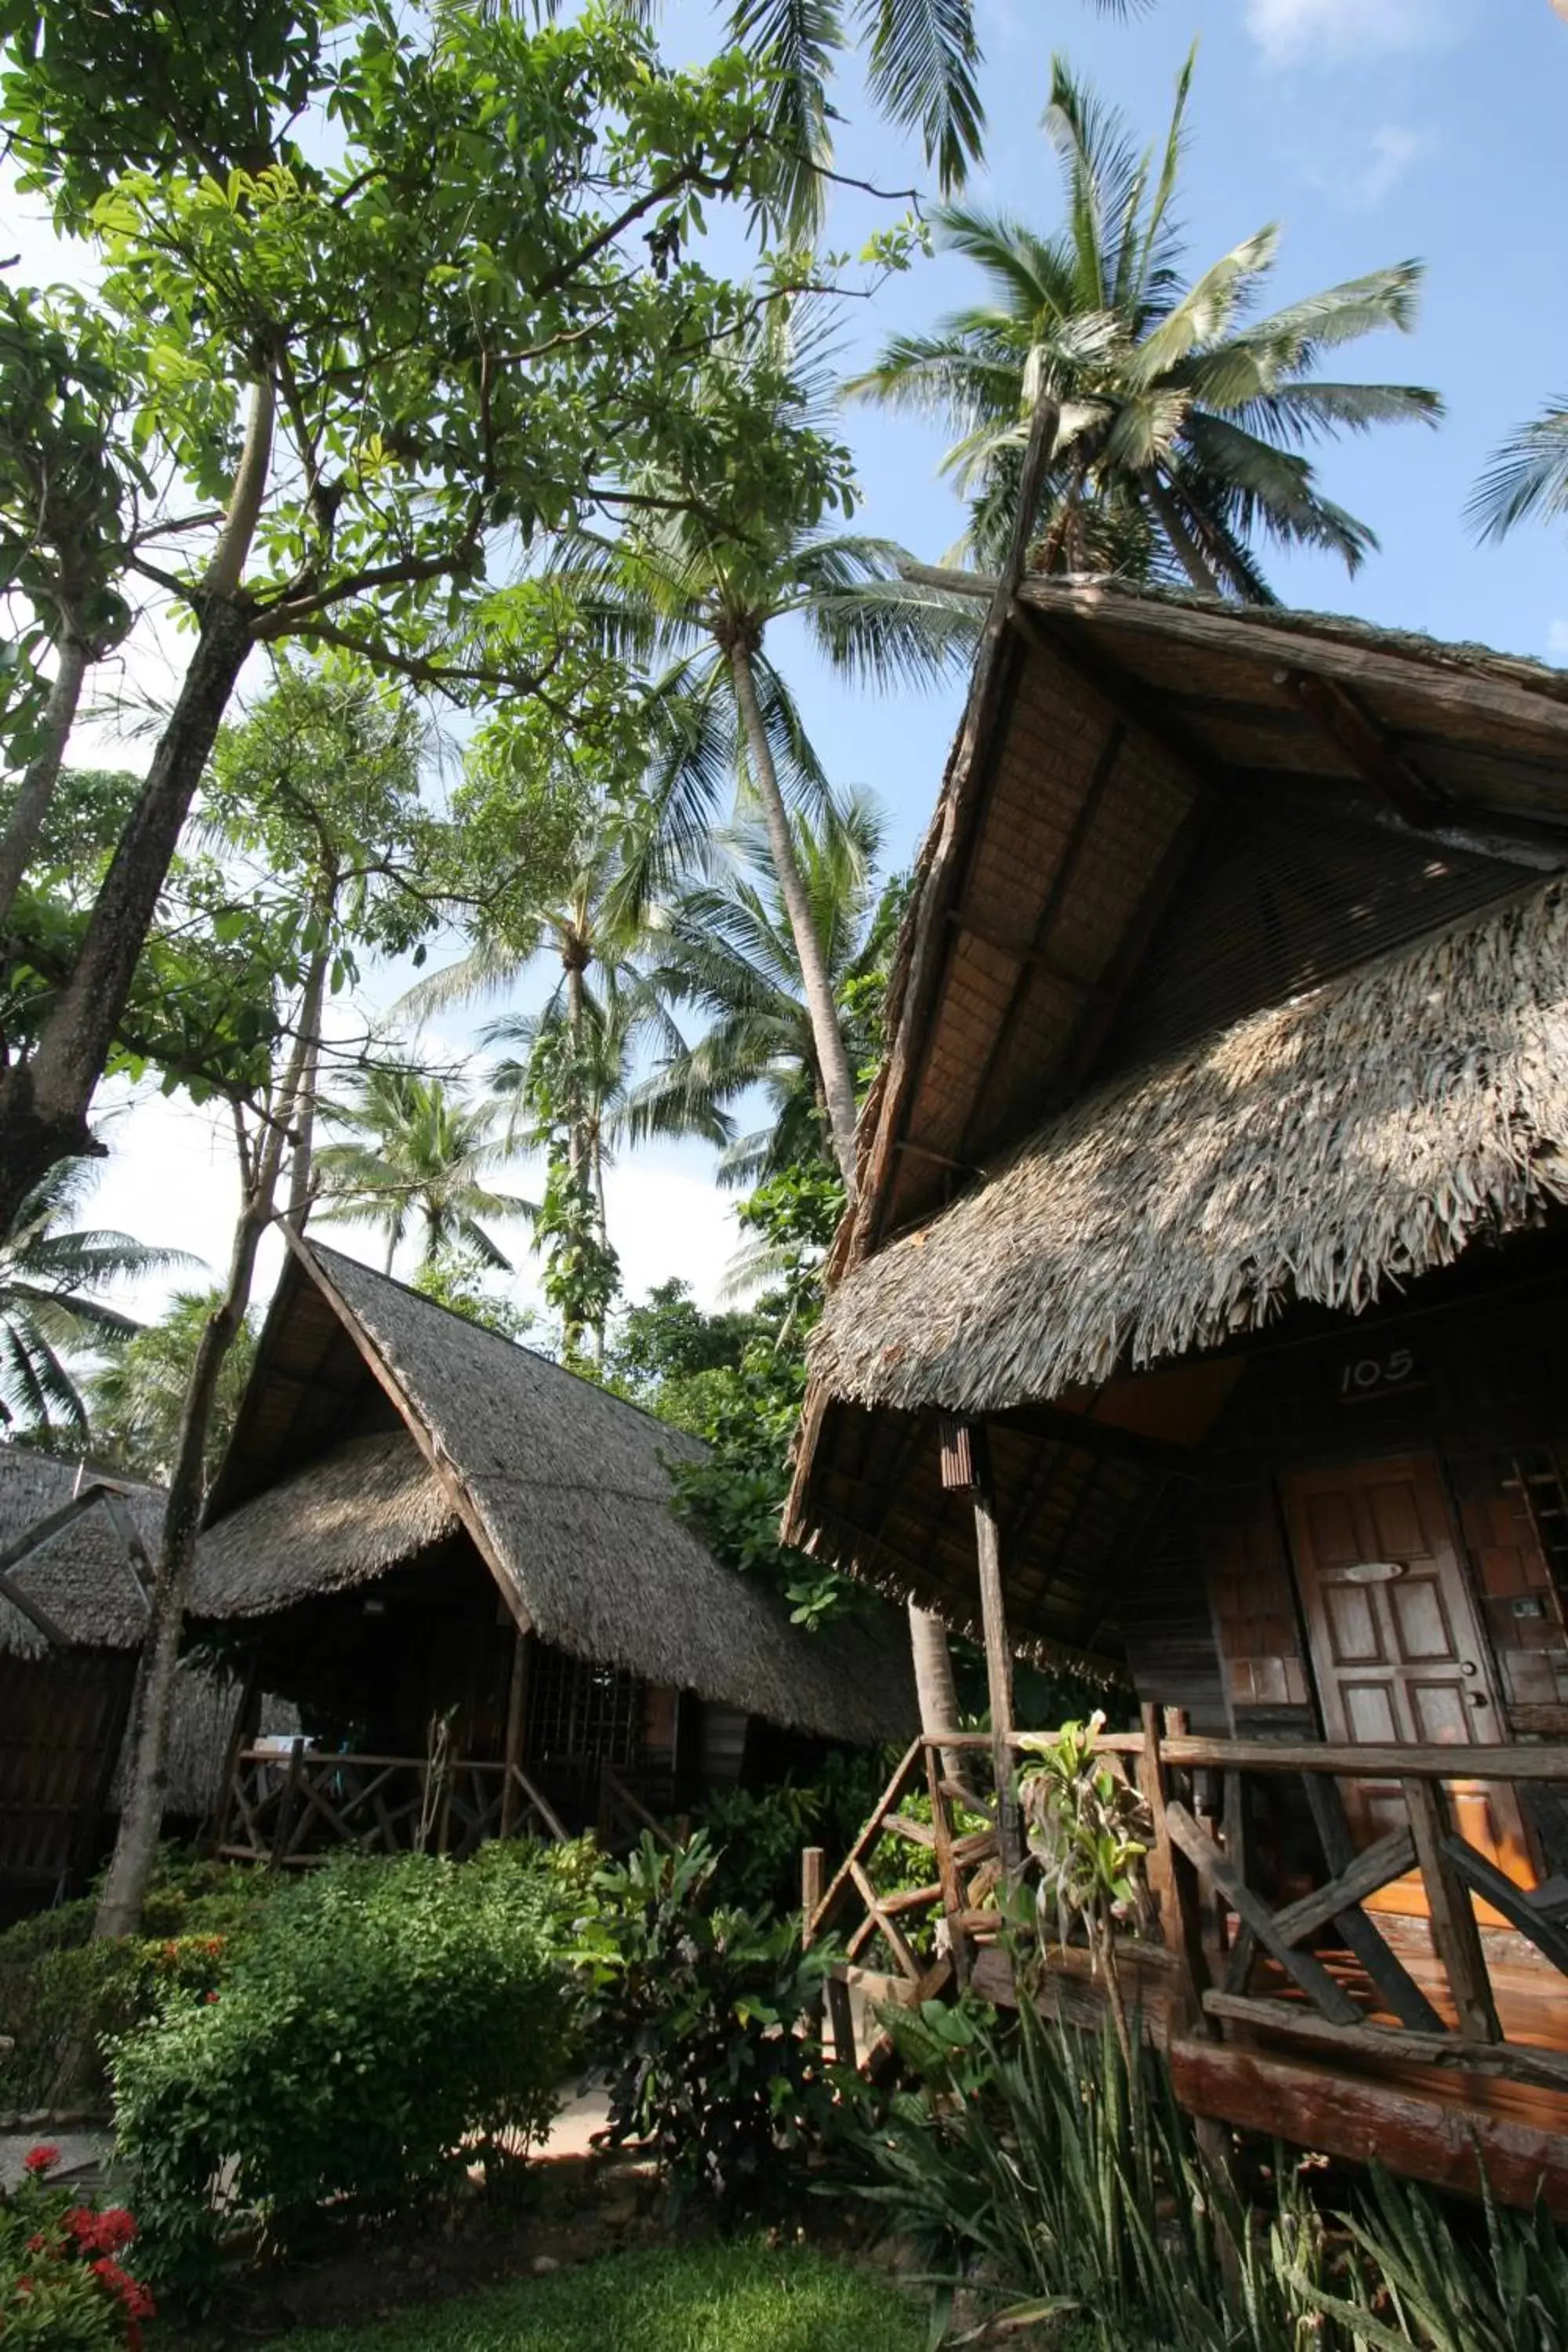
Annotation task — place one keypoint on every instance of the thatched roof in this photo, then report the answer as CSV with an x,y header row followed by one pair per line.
x,y
564,1489
1317,1152
81,1578
359,1510
1232,976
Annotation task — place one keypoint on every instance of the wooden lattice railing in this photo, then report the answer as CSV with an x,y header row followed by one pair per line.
x,y
1218,1928
293,1809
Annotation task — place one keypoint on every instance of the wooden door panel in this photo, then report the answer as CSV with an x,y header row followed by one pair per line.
x,y
1397,1649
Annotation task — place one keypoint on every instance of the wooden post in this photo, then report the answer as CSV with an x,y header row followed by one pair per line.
x,y
287,1803
813,1860
1176,1883
998,1655
947,1871
1455,1935
516,1725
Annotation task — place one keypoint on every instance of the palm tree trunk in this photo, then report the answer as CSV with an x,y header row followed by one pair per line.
x,y
20,837
832,1056
1173,523
310,1038
576,1016
934,1687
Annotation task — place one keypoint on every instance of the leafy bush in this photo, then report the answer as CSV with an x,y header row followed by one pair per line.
x,y
758,1836
62,2286
62,1995
701,2028
384,2012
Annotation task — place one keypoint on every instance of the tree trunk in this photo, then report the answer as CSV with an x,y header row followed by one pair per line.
x,y
832,1056
20,837
309,1039
153,1706
1173,523
45,1100
935,1688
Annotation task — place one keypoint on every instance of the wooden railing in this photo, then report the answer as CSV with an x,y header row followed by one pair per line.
x,y
1218,1926
292,1809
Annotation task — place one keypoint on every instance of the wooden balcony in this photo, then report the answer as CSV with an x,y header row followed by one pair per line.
x,y
1406,2001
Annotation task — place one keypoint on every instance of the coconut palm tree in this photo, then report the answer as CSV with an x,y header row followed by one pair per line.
x,y
1183,417
50,1275
1527,478
415,1151
695,601
727,951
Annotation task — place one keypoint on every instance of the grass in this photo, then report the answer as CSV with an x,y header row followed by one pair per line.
x,y
705,2298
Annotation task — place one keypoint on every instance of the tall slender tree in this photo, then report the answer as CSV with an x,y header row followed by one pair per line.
x,y
1183,419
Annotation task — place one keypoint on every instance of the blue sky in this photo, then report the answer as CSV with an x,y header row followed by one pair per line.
x,y
1372,130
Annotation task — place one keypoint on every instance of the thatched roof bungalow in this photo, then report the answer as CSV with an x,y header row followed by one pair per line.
x,y
1199,1317
419,1523
76,1547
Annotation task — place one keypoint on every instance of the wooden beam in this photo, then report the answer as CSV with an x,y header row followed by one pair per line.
x,y
1340,1759
516,1725
1445,681
1390,1858
1384,1968
1495,1887
33,1539
1455,1935
1171,1876
1311,1975
1102,1439
1513,2062
1452,2144
884,1923
1337,715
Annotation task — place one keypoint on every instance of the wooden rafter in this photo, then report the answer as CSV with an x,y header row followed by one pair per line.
x,y
1338,715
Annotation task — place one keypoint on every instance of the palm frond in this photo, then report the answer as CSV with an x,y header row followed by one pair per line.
x,y
1528,477
923,70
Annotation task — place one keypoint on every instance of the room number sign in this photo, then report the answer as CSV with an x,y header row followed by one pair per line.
x,y
1372,1375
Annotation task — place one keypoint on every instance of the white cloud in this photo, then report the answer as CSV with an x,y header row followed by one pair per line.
x,y
1557,640
1391,149
1320,32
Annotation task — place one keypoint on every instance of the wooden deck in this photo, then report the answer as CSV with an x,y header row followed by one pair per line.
x,y
1437,2044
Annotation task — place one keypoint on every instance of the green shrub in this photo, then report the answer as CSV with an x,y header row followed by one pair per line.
x,y
63,2287
382,2013
700,2026
1501,2288
62,1995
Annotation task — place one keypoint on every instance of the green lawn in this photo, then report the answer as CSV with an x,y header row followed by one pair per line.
x,y
726,2298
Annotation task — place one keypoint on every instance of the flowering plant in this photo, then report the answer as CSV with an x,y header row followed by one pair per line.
x,y
63,2287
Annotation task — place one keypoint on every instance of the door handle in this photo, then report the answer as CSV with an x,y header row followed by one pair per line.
x,y
1477,1698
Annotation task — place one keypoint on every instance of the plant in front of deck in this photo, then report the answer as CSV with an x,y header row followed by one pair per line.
x,y
697,2027
1034,2168
1087,1827
385,2016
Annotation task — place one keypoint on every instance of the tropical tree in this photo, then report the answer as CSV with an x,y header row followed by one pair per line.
x,y
1183,419
690,592
416,1152
1528,477
518,206
138,1396
52,1273
725,949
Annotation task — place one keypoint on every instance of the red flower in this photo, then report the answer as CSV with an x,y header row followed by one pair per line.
x,y
39,2160
212,1997
138,2303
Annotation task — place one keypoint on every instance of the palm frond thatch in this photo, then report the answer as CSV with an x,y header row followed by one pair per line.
x,y
1322,1151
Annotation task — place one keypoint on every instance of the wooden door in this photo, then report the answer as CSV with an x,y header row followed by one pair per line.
x,y
1398,1647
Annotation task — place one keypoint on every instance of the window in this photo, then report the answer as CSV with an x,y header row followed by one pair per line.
x,y
578,1709
1537,1479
